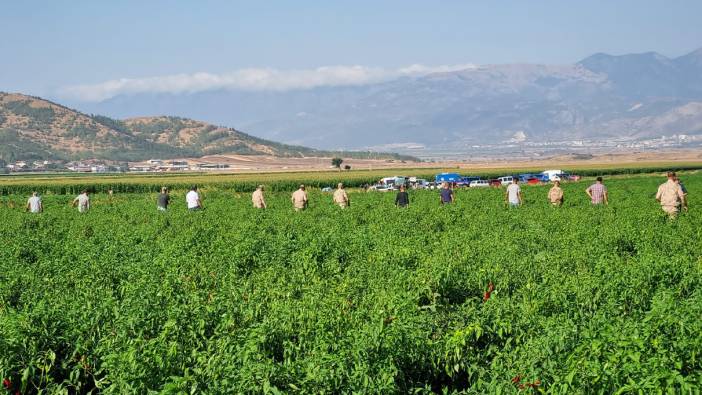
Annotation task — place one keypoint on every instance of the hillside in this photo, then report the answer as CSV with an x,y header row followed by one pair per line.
x,y
34,128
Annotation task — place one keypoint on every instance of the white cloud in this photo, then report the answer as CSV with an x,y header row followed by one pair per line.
x,y
254,79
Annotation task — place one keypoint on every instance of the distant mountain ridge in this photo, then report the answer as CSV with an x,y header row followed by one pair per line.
x,y
602,97
35,128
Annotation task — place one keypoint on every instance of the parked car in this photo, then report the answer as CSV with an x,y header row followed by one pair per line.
x,y
495,182
381,188
506,180
467,180
479,183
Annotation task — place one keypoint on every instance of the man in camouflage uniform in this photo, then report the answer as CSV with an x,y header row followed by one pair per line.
x,y
671,196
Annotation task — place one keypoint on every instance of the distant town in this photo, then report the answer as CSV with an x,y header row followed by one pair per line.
x,y
106,166
469,152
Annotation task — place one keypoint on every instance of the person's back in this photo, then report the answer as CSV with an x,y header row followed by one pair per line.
x,y
671,195
597,192
402,198
299,199
34,204
555,194
340,197
257,198
83,202
192,199
514,196
163,200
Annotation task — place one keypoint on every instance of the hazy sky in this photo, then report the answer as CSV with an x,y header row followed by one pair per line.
x,y
47,46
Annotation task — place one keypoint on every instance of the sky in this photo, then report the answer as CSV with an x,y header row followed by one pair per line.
x,y
91,50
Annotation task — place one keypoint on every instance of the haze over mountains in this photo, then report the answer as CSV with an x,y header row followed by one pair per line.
x,y
602,97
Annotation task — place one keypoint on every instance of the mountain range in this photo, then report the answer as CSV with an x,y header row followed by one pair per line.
x,y
602,97
34,128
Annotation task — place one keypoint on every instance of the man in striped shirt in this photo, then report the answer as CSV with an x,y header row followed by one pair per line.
x,y
597,192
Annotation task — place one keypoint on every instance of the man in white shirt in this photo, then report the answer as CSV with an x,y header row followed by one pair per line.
x,y
514,193
34,204
82,201
193,199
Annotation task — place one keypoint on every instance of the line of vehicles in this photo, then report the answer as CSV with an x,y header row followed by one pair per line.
x,y
456,180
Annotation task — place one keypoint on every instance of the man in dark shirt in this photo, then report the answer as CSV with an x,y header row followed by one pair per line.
x,y
402,198
446,194
163,199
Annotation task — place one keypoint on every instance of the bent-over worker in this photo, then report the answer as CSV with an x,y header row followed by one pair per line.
x,y
82,201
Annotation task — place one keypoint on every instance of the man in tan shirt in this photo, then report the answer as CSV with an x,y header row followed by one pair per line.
x,y
340,197
555,194
670,195
299,199
257,198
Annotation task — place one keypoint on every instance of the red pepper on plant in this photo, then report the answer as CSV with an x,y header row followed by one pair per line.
x,y
486,295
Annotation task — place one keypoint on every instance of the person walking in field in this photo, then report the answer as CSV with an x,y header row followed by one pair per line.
x,y
402,197
82,201
555,194
257,198
513,195
163,200
446,194
341,198
34,204
671,196
299,199
598,193
192,199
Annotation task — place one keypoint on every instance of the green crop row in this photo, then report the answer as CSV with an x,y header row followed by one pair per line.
x,y
137,183
468,298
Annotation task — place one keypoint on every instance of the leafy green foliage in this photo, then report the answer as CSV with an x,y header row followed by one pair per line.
x,y
371,299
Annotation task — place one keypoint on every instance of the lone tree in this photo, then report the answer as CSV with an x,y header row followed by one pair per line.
x,y
336,162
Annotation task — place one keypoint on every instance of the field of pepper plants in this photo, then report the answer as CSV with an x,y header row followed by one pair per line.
x,y
468,298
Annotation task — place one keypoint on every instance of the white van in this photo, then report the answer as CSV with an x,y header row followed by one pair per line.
x,y
553,175
506,180
479,183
